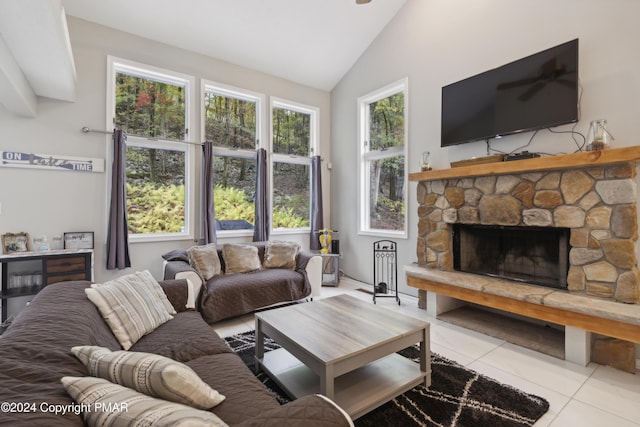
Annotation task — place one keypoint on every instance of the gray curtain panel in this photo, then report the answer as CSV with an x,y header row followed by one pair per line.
x,y
118,234
261,226
208,209
316,202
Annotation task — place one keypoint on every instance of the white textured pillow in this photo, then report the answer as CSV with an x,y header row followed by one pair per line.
x,y
132,305
240,258
111,404
205,260
151,374
281,255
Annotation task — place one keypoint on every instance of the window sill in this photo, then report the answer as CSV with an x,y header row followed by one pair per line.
x,y
283,231
383,233
151,238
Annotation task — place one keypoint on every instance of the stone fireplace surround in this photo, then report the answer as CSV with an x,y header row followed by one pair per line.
x,y
593,194
597,204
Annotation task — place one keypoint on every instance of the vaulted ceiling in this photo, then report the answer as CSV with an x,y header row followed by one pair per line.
x,y
311,42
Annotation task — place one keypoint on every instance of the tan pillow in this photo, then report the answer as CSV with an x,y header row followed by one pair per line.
x,y
281,255
106,404
240,258
151,374
205,260
132,305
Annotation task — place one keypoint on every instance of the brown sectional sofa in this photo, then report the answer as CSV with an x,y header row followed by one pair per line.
x,y
35,354
230,295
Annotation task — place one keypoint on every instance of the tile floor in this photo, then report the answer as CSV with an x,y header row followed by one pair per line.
x,y
594,395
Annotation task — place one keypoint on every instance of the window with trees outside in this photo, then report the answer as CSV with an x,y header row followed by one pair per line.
x,y
152,107
232,122
294,141
382,119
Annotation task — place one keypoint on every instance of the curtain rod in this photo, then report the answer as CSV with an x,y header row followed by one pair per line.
x,y
86,129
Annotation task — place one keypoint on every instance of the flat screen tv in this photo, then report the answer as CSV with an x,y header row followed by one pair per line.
x,y
536,92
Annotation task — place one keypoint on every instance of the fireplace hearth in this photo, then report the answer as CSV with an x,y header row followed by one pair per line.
x,y
538,255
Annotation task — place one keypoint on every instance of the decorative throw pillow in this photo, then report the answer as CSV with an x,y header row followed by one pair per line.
x,y
132,305
240,258
281,255
176,255
111,404
151,374
205,260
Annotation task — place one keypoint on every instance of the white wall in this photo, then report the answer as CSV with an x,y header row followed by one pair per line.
x,y
51,202
437,42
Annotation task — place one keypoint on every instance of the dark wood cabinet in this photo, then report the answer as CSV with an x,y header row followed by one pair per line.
x,y
25,274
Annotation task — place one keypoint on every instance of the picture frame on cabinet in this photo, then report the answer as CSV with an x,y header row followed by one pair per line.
x,y
78,240
15,243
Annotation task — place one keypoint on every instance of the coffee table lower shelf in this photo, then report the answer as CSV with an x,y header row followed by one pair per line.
x,y
357,392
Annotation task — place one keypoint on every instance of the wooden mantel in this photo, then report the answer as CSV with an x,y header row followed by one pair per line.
x,y
562,161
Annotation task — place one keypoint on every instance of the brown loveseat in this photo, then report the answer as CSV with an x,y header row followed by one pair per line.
x,y
35,354
228,295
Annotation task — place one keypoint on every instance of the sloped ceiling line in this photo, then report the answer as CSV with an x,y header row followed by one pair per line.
x,y
37,58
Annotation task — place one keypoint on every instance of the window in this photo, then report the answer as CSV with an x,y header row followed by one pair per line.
x,y
294,141
382,117
152,106
232,121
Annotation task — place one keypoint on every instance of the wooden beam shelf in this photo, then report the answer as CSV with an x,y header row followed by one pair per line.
x,y
600,325
538,164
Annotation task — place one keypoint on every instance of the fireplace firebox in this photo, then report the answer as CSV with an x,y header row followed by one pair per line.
x,y
537,255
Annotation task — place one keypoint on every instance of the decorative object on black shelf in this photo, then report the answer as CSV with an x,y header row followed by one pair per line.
x,y
57,243
78,240
15,242
521,156
40,243
385,270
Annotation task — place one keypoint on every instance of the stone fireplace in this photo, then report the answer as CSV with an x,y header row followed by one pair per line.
x,y
596,204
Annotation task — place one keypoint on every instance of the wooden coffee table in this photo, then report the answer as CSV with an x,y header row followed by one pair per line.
x,y
345,349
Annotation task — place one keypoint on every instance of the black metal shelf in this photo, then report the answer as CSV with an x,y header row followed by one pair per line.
x,y
21,292
50,266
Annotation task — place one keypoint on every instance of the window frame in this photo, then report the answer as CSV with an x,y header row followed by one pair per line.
x,y
245,95
115,65
366,156
314,143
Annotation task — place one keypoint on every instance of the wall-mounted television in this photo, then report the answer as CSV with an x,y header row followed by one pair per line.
x,y
536,92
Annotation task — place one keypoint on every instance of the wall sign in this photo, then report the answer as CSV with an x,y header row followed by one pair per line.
x,y
17,159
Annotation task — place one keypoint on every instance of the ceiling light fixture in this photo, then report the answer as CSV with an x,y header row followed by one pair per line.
x,y
362,1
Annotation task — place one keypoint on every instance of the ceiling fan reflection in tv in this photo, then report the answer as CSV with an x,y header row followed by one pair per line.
x,y
550,72
535,92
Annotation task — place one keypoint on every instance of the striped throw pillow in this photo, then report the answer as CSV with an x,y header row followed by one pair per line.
x,y
106,404
132,305
151,374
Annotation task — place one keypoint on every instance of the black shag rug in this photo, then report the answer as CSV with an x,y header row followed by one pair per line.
x,y
457,397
